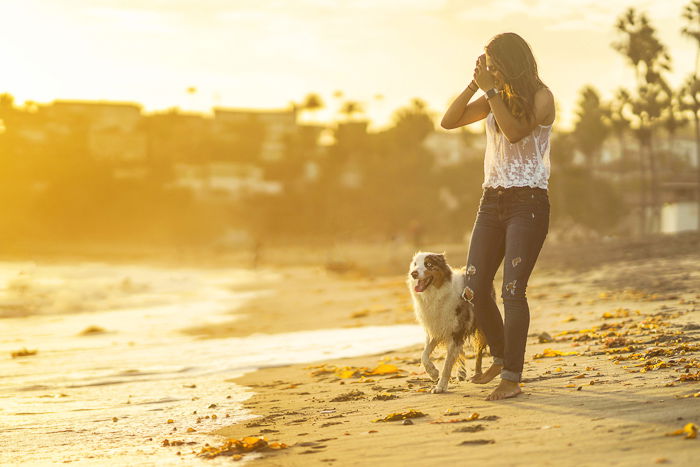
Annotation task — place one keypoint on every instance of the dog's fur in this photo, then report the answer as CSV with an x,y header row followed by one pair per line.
x,y
436,289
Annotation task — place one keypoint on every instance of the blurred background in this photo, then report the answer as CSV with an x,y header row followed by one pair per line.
x,y
192,190
248,129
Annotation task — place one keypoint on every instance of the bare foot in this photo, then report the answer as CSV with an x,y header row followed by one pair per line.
x,y
504,390
483,378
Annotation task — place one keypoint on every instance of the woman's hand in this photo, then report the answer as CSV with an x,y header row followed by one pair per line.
x,y
483,78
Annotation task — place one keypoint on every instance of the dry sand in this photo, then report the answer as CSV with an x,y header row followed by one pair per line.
x,y
580,409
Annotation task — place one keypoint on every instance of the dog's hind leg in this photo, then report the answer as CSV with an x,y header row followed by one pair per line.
x,y
452,353
462,375
477,363
478,344
430,344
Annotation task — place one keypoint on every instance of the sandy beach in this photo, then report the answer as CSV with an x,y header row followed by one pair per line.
x,y
610,372
165,366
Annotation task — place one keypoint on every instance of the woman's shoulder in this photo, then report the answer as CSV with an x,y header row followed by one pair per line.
x,y
544,105
543,93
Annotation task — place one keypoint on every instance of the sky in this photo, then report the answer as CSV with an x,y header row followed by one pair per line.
x,y
268,53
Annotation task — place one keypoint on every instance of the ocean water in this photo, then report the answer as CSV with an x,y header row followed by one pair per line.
x,y
106,398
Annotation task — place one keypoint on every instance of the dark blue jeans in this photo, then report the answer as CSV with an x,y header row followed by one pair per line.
x,y
512,223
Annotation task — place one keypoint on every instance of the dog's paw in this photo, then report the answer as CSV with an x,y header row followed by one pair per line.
x,y
432,371
438,389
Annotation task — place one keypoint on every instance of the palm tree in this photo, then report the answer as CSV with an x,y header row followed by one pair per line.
x,y
690,102
650,60
672,119
350,108
691,14
312,103
617,121
590,130
689,92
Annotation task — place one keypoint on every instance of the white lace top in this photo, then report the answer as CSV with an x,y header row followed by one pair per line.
x,y
525,163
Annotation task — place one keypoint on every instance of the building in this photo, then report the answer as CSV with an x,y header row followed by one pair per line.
x,y
453,148
272,126
223,180
112,130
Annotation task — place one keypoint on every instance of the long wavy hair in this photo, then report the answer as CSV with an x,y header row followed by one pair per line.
x,y
512,56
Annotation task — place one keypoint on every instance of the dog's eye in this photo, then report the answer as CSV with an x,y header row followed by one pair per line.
x,y
429,265
414,274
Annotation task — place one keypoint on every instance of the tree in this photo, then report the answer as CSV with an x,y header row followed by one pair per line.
x,y
312,103
590,130
351,108
691,14
690,102
617,121
650,60
413,123
689,92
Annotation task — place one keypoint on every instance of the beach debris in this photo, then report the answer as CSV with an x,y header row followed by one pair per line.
x,y
544,338
552,353
689,377
114,419
235,447
170,420
615,342
469,429
407,422
401,416
174,442
91,330
476,442
327,424
619,313
212,406
359,314
384,396
347,372
690,430
23,353
472,417
349,396
191,430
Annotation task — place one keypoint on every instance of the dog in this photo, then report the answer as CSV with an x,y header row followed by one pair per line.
x,y
448,319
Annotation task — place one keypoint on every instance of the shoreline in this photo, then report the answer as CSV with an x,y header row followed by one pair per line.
x,y
599,400
579,409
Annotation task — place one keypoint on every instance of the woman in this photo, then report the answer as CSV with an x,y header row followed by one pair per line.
x,y
513,217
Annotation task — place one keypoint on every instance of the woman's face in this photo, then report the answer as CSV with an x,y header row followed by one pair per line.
x,y
491,68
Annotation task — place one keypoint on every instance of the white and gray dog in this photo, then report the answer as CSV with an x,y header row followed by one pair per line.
x,y
448,319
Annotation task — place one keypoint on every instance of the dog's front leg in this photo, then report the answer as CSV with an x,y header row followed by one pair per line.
x,y
450,359
430,368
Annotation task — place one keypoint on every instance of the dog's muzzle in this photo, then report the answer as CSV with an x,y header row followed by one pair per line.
x,y
423,284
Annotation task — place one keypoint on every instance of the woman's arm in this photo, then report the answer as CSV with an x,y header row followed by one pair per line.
x,y
461,112
514,129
